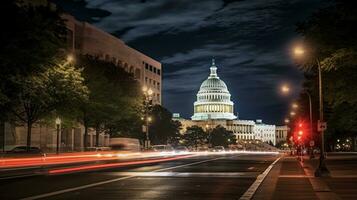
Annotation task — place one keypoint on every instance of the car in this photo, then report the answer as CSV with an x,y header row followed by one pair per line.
x,y
162,148
21,151
181,149
218,149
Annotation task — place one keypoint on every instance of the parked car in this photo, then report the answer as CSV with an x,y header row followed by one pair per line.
x,y
181,149
162,148
21,151
218,149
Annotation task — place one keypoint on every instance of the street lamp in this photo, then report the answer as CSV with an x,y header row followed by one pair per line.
x,y
147,106
294,105
322,169
285,89
58,124
292,113
287,121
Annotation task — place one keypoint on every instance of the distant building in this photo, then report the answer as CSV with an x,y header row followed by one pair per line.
x,y
84,38
264,132
281,133
214,107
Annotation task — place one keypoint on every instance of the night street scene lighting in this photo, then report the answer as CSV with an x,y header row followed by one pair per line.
x,y
196,100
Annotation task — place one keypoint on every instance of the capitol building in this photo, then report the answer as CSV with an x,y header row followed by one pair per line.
x,y
214,107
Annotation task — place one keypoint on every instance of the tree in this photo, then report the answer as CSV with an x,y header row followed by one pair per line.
x,y
42,94
330,35
163,128
113,101
30,37
195,136
220,136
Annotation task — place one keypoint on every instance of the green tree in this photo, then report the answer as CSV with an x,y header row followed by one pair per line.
x,y
330,36
42,94
220,136
162,129
195,136
113,101
30,37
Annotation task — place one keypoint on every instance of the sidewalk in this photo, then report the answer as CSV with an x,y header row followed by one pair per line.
x,y
292,179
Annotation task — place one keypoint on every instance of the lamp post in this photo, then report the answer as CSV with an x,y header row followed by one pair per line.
x,y
58,124
147,106
322,169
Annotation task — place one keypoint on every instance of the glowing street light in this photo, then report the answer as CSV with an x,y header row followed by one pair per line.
x,y
299,51
58,122
294,105
147,105
70,58
285,89
292,113
322,169
287,121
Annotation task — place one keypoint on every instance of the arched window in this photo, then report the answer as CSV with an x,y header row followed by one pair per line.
x,y
131,70
137,73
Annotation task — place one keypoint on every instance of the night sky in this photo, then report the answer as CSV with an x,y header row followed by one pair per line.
x,y
250,40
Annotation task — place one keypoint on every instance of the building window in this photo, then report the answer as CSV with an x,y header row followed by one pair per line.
x,y
146,66
137,73
151,68
159,72
155,70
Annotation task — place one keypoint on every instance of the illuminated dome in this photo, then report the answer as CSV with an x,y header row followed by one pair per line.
x,y
213,99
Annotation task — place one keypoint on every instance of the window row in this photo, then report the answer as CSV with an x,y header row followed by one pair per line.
x,y
152,82
213,97
214,108
152,68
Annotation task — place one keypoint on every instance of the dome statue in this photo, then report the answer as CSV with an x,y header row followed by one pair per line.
x,y
213,99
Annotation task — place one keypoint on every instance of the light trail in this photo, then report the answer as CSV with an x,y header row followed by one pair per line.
x,y
82,157
110,165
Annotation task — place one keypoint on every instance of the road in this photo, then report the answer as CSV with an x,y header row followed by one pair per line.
x,y
201,177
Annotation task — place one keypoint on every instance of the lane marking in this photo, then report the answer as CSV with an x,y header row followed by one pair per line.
x,y
109,181
190,174
253,188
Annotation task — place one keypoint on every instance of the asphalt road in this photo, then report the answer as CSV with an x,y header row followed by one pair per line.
x,y
202,177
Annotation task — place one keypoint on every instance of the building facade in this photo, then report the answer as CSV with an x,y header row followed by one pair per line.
x,y
213,107
85,39
281,133
264,132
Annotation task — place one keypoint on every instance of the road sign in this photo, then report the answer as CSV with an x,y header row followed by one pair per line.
x,y
312,143
321,126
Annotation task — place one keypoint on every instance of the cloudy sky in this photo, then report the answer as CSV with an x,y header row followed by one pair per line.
x,y
250,40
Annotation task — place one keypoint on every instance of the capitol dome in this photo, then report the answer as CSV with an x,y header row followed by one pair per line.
x,y
213,99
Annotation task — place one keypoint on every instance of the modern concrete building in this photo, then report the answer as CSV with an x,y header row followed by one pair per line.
x,y
84,38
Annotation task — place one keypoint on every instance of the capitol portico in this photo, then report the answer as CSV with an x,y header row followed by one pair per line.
x,y
214,107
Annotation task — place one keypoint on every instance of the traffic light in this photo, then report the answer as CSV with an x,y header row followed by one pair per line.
x,y
300,131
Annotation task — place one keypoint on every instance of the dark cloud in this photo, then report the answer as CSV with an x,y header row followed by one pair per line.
x,y
249,39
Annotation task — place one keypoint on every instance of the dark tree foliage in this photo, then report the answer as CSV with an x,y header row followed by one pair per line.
x,y
220,136
114,99
331,37
163,129
194,137
29,42
30,38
